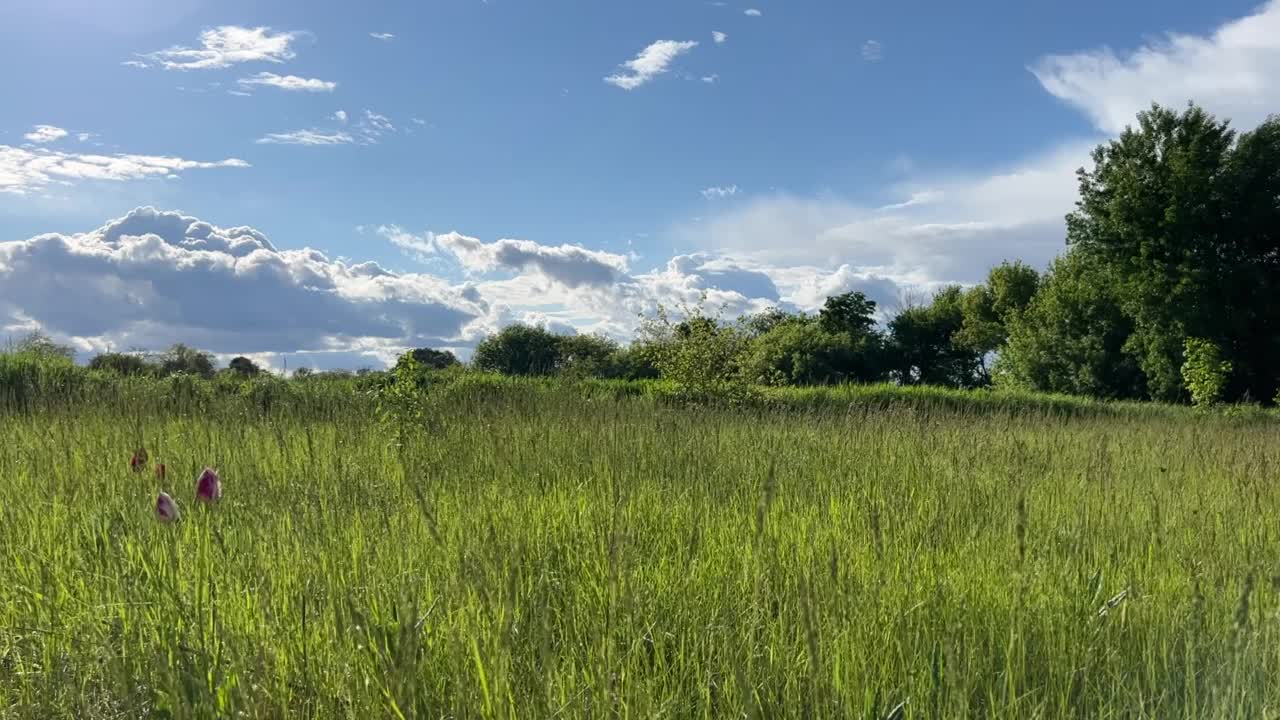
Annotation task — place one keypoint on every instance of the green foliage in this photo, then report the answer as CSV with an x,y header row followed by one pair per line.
x,y
584,356
518,350
243,367
38,344
756,324
806,353
1204,371
699,354
122,363
1072,336
1183,212
432,359
989,309
181,359
851,313
921,349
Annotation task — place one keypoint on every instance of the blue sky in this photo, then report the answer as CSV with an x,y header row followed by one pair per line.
x,y
591,160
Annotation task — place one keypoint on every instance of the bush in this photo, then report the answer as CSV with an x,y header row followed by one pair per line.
x,y
122,364
1204,372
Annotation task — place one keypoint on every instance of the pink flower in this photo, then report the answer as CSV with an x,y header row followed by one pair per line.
x,y
166,508
208,486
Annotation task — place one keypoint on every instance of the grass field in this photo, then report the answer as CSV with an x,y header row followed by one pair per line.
x,y
532,552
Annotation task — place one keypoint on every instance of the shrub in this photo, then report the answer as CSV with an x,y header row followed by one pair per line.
x,y
1204,372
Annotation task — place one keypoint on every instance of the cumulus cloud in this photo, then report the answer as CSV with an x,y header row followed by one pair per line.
x,y
153,278
311,137
872,51
1233,71
45,134
719,37
570,265
23,170
228,45
288,82
650,63
341,116
752,12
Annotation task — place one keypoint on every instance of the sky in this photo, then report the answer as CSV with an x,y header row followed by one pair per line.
x,y
334,182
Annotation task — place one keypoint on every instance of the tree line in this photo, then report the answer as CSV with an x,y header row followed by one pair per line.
x,y
1167,290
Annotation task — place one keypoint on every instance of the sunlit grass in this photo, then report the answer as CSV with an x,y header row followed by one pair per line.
x,y
534,553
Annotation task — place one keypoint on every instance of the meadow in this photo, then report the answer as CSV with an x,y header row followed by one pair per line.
x,y
548,549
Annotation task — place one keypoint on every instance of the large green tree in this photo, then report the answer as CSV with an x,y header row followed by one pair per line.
x,y
1185,216
921,346
519,350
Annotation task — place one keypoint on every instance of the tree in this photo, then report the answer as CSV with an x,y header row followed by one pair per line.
x,y
183,359
243,366
41,345
849,313
757,324
585,355
989,309
1204,371
1183,214
921,348
805,353
699,354
518,350
1072,337
432,359
121,363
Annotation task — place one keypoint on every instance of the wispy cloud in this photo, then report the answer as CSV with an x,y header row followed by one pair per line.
x,y
719,37
752,12
311,138
134,64
45,134
872,51
383,36
717,191
24,170
650,63
228,45
288,82
1233,72
711,79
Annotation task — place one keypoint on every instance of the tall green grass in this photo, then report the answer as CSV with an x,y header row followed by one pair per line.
x,y
546,550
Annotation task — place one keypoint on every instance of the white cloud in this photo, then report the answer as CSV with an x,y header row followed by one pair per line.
x,y
228,45
571,265
306,137
872,51
1234,72
288,82
717,191
651,62
24,170
711,79
45,134
154,278
719,37
84,136
948,228
368,130
135,64
383,36
752,12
